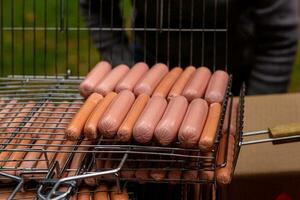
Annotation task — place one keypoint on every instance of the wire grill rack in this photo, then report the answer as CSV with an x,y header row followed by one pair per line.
x,y
33,116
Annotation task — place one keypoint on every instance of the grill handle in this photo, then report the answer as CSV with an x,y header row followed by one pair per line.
x,y
285,130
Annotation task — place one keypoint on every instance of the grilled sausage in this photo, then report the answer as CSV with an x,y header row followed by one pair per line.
x,y
174,176
227,116
142,174
151,79
167,128
74,129
167,82
196,86
132,77
115,113
125,131
91,125
208,135
144,127
216,88
78,157
181,82
91,181
109,83
193,123
208,173
94,77
223,175
115,195
158,174
4,155
84,194
234,115
101,193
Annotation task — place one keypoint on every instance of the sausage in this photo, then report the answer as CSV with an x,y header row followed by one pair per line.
x,y
142,174
115,113
109,83
91,125
174,176
222,149
193,123
226,118
181,82
132,77
115,195
216,88
223,175
73,131
64,152
167,128
4,155
151,79
196,86
158,174
94,77
101,193
78,157
125,131
84,194
208,173
167,82
191,174
208,135
91,181
234,115
143,129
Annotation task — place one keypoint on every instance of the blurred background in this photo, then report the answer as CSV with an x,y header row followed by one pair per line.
x,y
28,50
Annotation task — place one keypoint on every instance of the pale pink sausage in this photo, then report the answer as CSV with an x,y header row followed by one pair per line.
x,y
151,79
109,83
132,77
167,128
193,123
144,128
115,113
216,88
93,78
196,86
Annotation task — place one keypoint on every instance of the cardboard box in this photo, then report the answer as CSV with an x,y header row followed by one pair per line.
x,y
266,170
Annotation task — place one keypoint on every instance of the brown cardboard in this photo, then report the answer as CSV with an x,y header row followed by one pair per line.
x,y
265,170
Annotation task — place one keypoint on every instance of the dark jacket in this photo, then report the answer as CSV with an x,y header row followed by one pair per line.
x,y
262,36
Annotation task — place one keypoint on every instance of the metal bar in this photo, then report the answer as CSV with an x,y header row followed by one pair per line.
x,y
256,133
270,140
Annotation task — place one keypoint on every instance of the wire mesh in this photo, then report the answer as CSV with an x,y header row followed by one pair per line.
x,y
57,37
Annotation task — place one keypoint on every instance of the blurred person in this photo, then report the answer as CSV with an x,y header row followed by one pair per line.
x,y
262,37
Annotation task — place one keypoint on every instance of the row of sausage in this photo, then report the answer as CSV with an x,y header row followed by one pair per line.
x,y
157,81
144,119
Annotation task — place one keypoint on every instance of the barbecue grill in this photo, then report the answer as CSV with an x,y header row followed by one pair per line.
x,y
46,48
